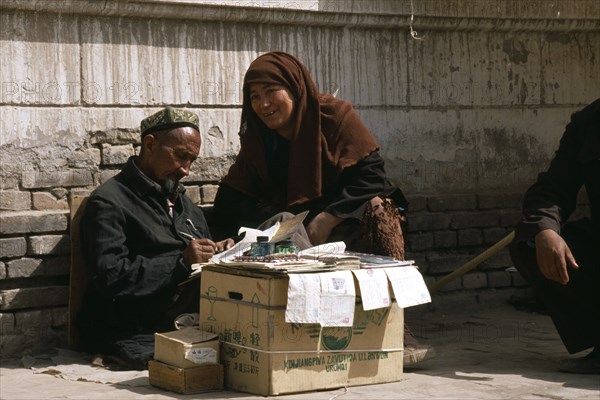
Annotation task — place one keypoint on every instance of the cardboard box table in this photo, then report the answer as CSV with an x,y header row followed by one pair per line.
x,y
263,354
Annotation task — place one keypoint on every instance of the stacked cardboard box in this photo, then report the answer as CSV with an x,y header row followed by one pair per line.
x,y
263,354
186,361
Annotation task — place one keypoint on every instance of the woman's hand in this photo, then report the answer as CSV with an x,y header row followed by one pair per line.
x,y
320,227
553,256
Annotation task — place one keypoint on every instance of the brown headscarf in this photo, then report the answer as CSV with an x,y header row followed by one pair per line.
x,y
328,134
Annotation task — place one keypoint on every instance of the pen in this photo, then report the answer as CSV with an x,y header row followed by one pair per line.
x,y
187,235
191,224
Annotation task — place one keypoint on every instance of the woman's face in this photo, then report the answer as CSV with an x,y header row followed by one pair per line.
x,y
274,106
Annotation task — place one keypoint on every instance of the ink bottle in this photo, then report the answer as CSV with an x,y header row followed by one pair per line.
x,y
286,247
262,247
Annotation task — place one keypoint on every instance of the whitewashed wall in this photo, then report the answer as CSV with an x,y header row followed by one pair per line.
x,y
475,94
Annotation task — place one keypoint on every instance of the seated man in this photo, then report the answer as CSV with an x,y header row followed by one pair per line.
x,y
560,259
140,234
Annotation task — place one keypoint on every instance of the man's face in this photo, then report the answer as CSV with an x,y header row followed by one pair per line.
x,y
167,156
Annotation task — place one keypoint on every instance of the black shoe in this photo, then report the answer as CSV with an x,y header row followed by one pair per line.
x,y
589,364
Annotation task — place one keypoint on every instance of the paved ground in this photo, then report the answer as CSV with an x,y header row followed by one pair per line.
x,y
486,350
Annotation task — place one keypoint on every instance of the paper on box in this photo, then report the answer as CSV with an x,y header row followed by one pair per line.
x,y
304,300
326,298
374,290
337,299
408,285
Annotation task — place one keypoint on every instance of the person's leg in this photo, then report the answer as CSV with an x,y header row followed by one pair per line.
x,y
136,351
124,350
380,232
573,307
187,302
383,222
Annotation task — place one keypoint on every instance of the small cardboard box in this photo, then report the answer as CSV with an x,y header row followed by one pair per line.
x,y
186,348
204,378
263,354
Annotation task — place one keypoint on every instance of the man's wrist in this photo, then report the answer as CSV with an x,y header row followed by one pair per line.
x,y
546,233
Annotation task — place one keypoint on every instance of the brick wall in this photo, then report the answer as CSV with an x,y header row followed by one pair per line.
x,y
446,231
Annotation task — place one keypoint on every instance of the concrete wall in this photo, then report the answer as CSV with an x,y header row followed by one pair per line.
x,y
466,116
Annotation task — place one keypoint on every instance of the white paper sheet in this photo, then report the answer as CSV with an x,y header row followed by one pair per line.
x,y
338,297
244,244
373,285
325,249
408,285
201,355
304,298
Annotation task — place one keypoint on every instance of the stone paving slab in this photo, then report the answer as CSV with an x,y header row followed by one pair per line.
x,y
484,351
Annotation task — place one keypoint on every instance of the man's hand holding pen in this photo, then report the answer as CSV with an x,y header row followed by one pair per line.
x,y
201,250
225,245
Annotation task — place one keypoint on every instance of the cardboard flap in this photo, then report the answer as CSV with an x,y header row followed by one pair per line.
x,y
189,336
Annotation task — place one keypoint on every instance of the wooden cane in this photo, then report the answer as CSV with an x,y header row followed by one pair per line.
x,y
469,265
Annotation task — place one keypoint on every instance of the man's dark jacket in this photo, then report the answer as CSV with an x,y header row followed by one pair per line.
x,y
547,205
133,250
551,200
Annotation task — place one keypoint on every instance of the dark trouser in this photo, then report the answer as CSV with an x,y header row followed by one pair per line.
x,y
133,344
574,307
